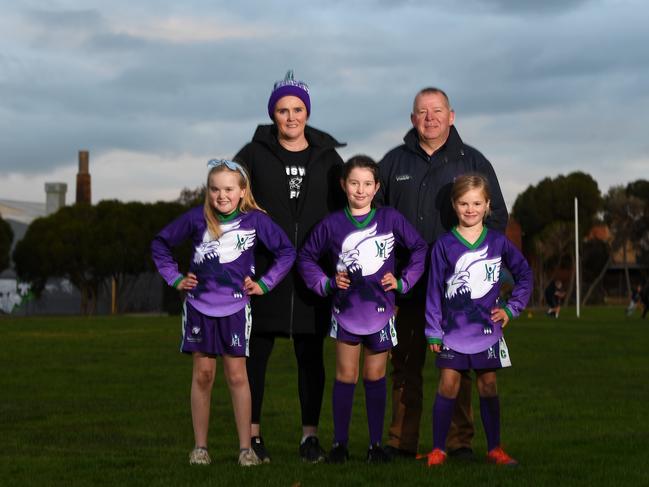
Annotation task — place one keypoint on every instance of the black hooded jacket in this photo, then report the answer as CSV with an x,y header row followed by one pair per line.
x,y
292,308
419,185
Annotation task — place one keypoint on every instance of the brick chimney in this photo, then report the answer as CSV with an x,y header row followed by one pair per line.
x,y
54,197
83,178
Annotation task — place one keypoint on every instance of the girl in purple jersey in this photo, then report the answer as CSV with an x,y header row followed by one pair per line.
x,y
216,310
464,324
360,240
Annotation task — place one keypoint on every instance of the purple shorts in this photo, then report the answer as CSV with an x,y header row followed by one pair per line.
x,y
380,341
495,357
223,335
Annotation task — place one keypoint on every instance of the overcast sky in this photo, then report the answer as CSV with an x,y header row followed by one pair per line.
x,y
153,88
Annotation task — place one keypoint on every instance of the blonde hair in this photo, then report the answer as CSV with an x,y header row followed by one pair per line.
x,y
246,203
465,183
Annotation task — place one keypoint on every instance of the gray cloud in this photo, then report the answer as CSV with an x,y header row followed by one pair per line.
x,y
565,88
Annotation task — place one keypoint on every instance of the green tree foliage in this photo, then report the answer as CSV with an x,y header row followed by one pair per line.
x,y
546,215
6,237
63,244
192,197
90,245
552,200
625,216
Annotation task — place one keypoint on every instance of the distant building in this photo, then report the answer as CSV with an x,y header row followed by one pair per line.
x,y
19,214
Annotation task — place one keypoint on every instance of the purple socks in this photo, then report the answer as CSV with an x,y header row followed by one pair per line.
x,y
442,416
375,398
490,414
343,398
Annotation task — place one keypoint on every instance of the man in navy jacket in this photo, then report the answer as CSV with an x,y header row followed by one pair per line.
x,y
416,179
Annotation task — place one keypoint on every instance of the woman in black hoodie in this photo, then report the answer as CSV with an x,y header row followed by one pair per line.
x,y
295,172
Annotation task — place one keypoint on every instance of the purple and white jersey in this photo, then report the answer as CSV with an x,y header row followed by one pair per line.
x,y
221,265
463,288
365,250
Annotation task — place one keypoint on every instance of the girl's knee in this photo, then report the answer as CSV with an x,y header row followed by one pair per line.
x,y
236,374
487,385
449,383
236,379
204,377
448,390
349,375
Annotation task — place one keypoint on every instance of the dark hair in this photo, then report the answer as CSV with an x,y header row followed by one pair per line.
x,y
360,161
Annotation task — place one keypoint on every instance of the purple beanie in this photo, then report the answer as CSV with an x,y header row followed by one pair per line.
x,y
289,87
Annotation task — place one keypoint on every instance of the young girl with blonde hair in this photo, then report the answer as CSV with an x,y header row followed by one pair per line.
x,y
216,310
464,319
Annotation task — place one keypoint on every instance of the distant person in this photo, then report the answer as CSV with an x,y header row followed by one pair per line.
x,y
464,321
636,296
644,297
216,310
295,174
360,241
416,179
554,295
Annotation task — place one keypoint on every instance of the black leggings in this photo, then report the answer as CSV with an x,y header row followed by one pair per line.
x,y
310,379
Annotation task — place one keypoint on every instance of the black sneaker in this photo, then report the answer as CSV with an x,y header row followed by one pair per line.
x,y
257,444
311,451
376,454
338,454
393,452
463,453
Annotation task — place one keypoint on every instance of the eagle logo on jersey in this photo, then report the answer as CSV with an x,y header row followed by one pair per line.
x,y
474,274
364,251
228,247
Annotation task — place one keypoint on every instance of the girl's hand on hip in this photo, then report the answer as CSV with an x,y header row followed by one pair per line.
x,y
188,282
499,314
342,280
251,287
389,282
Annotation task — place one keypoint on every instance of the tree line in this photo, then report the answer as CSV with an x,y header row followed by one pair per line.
x,y
92,245
545,212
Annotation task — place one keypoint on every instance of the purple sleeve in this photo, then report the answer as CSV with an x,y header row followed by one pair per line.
x,y
307,259
409,238
523,278
435,294
170,236
276,241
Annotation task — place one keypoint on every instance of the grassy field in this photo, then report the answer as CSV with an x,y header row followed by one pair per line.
x,y
105,401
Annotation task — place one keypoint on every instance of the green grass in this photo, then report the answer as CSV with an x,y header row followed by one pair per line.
x,y
105,401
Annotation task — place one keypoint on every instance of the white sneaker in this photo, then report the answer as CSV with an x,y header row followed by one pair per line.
x,y
248,458
199,456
